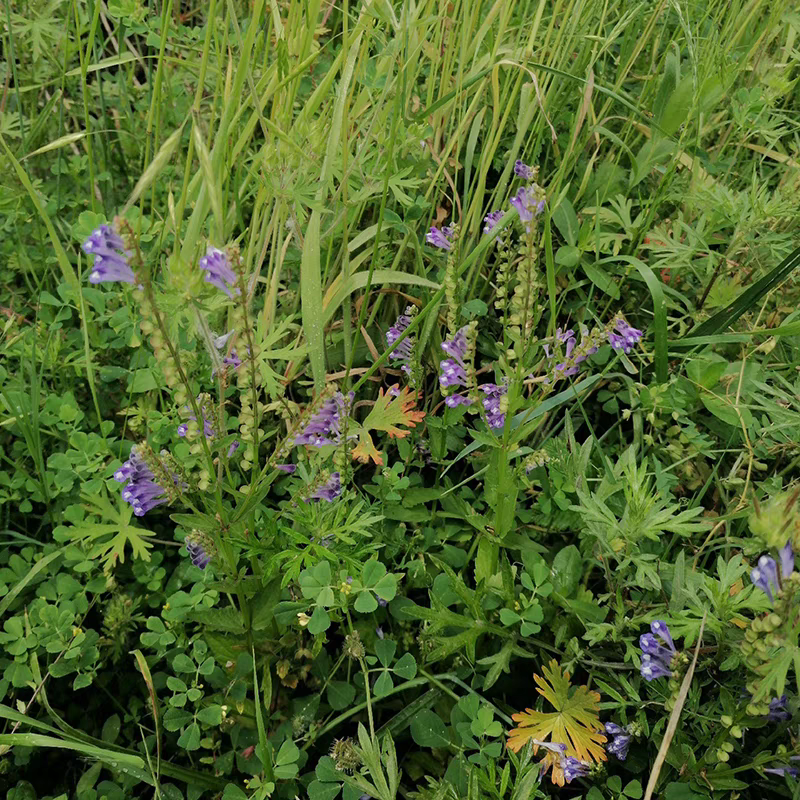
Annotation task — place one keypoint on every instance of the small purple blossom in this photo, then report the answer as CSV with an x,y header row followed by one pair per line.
x,y
453,369
522,170
289,469
779,709
110,256
553,747
404,351
218,269
142,492
783,771
330,490
765,576
494,404
233,448
440,237
786,555
625,337
197,554
574,768
379,632
491,220
620,740
528,204
325,426
183,429
657,656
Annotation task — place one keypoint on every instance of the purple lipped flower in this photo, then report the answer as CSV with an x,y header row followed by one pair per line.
x,y
379,632
328,491
491,220
142,492
765,576
197,554
456,400
404,351
219,271
620,742
529,204
494,405
183,429
522,170
453,369
779,709
553,747
110,256
574,768
625,337
324,427
289,469
440,237
783,771
786,555
233,448
656,657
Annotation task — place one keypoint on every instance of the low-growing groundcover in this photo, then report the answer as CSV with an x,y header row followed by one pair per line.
x,y
399,400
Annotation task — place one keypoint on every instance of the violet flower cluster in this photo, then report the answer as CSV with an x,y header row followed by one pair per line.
x,y
440,237
218,269
111,257
573,767
494,404
766,575
143,492
404,351
454,369
329,490
779,709
324,427
620,740
658,650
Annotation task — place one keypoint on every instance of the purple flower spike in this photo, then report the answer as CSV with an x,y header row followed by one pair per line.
x,y
765,576
620,742
142,492
528,205
491,220
219,271
329,491
453,369
198,554
625,337
110,256
325,426
404,351
440,237
289,469
574,768
787,560
493,404
779,709
657,652
522,170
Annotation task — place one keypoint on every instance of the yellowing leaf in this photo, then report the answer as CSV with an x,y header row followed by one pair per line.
x,y
574,723
366,450
391,410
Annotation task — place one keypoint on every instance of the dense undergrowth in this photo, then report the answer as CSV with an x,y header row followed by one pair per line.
x,y
399,400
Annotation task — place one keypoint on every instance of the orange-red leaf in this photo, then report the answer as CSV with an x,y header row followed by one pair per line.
x,y
392,410
574,723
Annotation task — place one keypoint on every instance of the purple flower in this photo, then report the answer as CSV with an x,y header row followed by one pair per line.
x,y
779,709
440,237
142,492
528,205
325,426
553,747
329,491
110,256
625,337
456,400
183,429
233,448
574,768
404,351
218,269
289,469
491,220
792,772
208,425
379,632
522,170
786,555
765,576
620,742
657,656
197,554
493,404
453,369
